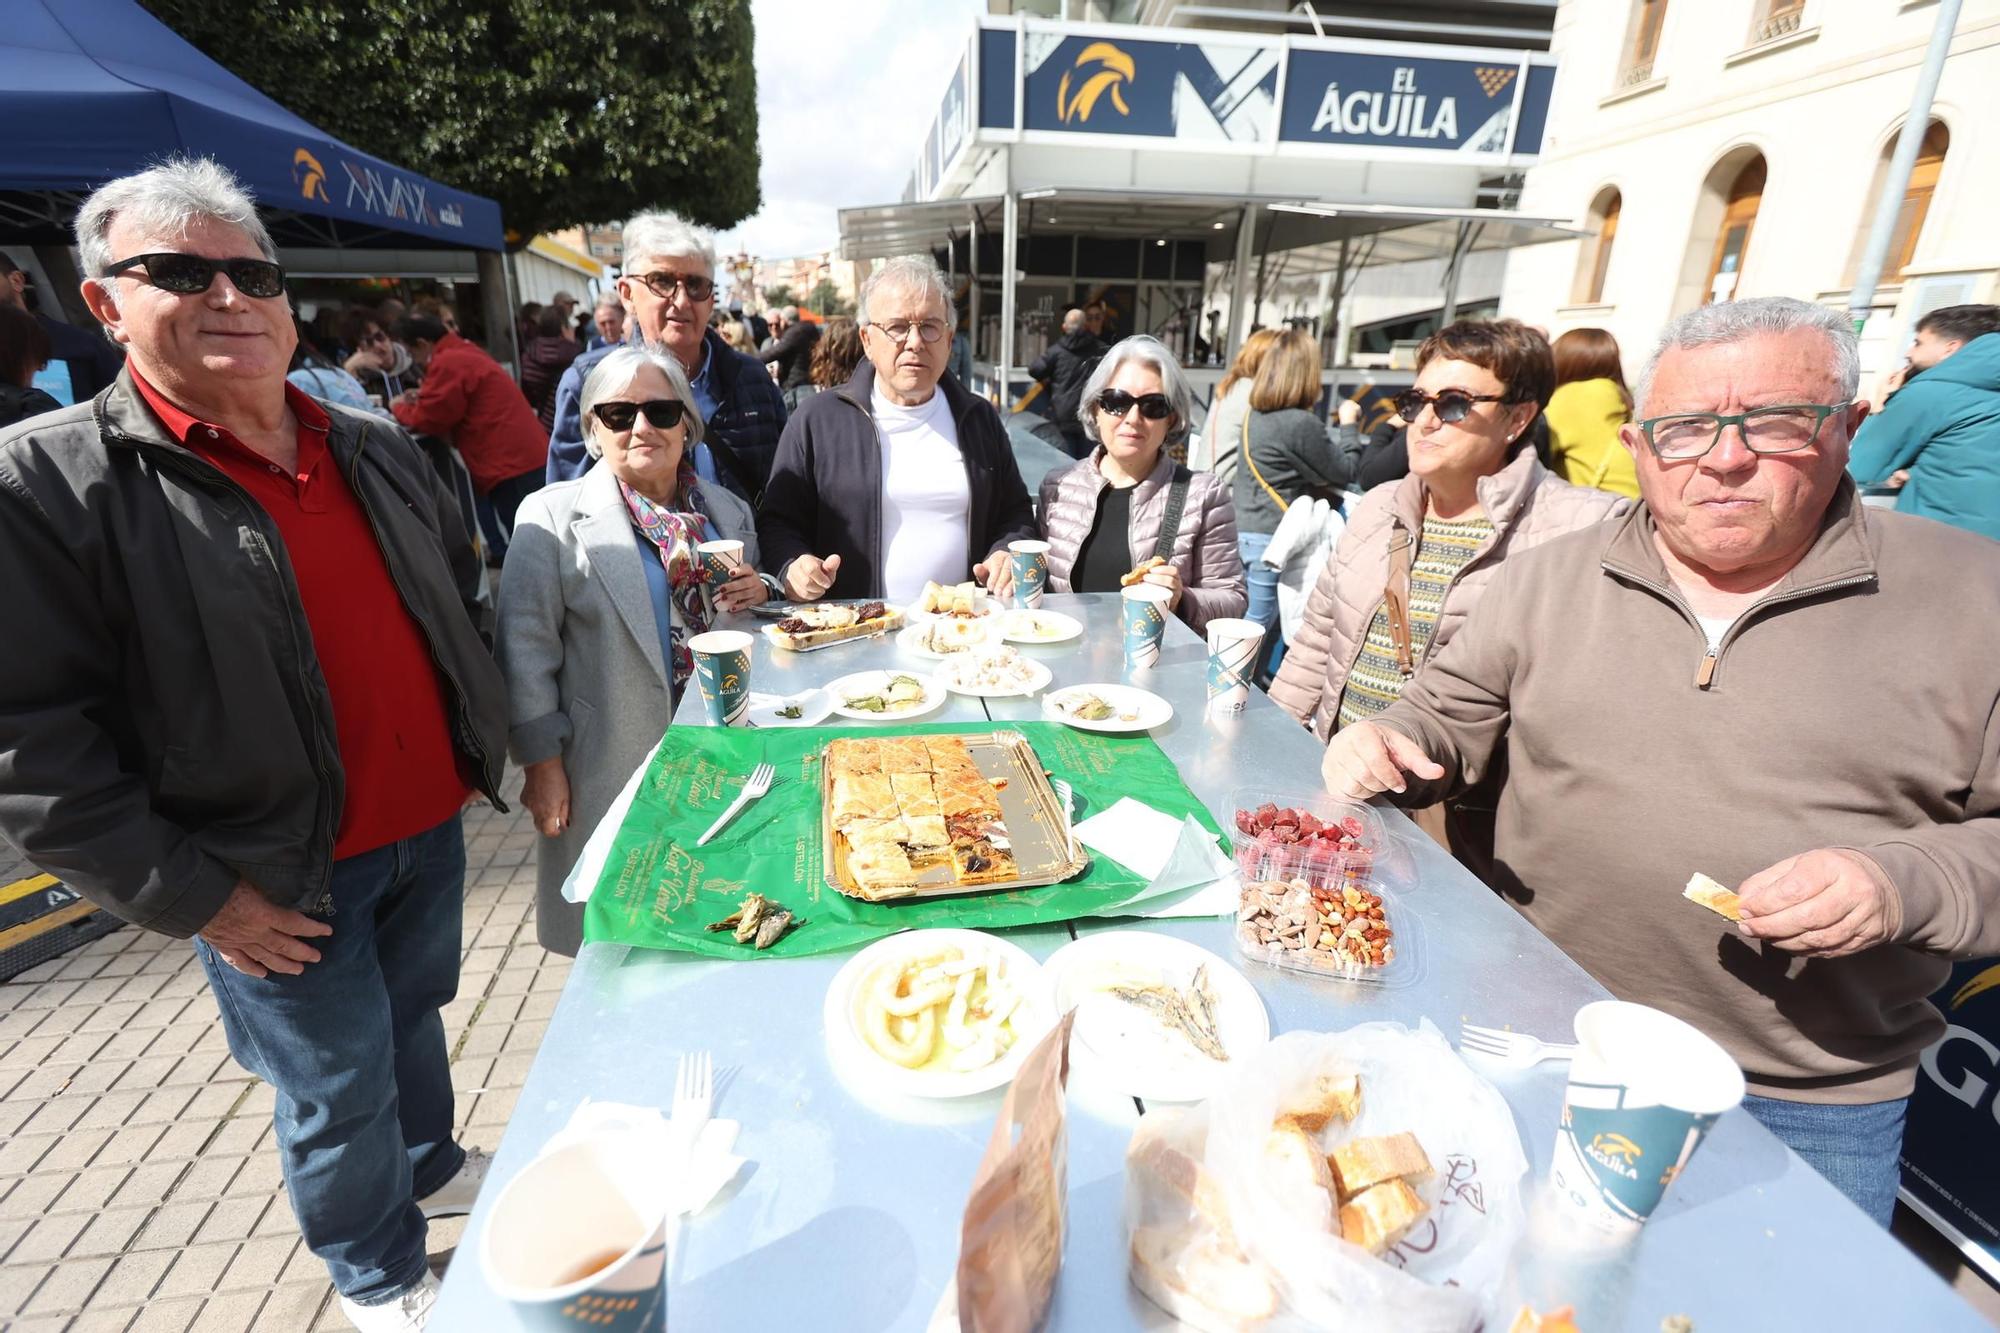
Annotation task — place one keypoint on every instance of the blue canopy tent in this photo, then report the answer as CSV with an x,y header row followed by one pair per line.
x,y
94,89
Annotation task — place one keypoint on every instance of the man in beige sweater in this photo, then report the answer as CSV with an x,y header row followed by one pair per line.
x,y
1754,677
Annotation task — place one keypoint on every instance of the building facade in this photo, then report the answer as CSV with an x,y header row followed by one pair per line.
x,y
1731,148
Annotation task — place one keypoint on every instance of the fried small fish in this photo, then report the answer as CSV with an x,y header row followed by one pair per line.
x,y
1189,1011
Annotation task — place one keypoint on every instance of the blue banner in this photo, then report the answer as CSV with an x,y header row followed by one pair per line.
x,y
1384,101
1951,1143
954,125
1086,84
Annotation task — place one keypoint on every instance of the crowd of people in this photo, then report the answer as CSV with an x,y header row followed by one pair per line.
x,y
1587,633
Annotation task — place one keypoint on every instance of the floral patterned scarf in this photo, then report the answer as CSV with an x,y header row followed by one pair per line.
x,y
674,533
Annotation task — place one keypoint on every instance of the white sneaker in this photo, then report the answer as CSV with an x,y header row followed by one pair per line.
x,y
407,1313
455,1197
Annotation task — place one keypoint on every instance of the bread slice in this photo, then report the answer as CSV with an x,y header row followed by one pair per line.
x,y
1200,1281
1138,572
1701,889
811,626
1377,1218
1327,1098
1360,1164
1299,1174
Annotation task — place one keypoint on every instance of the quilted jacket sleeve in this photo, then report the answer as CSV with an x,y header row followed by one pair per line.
x,y
1214,584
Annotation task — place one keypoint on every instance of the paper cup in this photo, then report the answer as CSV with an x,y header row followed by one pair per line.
x,y
566,1248
719,560
722,672
1644,1089
1031,571
1145,615
1232,661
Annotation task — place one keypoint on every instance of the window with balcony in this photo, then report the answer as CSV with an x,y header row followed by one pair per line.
x,y
1775,19
1594,261
1732,241
1917,198
1642,47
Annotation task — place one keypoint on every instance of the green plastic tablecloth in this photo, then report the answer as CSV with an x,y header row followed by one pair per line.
x,y
659,890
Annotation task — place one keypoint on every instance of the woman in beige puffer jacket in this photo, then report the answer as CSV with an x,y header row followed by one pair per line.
x,y
1475,494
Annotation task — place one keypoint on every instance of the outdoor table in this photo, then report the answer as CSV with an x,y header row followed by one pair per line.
x,y
848,1216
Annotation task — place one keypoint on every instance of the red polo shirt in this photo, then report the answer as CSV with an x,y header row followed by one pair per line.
x,y
389,712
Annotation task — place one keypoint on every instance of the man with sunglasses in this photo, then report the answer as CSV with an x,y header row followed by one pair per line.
x,y
1755,677
256,700
668,287
900,476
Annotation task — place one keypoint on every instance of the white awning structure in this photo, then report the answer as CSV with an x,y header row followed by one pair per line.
x,y
1221,148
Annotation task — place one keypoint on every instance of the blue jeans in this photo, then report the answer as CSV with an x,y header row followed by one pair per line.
x,y
1263,600
1857,1148
355,1049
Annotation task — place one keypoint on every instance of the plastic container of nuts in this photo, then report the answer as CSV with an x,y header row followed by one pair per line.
x,y
1311,901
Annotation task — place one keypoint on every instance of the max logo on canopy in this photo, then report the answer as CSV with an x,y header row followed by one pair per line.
x,y
1112,69
310,175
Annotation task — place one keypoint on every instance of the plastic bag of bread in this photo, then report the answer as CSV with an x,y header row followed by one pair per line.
x,y
1359,1179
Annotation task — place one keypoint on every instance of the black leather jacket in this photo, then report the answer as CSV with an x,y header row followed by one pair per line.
x,y
164,727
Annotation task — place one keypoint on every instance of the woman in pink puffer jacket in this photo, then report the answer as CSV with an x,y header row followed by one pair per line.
x,y
1105,516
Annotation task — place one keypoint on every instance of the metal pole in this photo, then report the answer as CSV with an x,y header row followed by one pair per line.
x,y
972,278
1334,332
1239,282
1010,227
1467,232
1897,179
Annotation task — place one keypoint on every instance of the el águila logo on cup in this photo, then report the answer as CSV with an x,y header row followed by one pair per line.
x,y
1644,1089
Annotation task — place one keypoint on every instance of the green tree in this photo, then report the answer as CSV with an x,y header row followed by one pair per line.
x,y
779,295
562,113
827,300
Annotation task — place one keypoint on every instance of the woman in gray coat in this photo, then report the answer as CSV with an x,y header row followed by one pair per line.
x,y
1107,515
601,590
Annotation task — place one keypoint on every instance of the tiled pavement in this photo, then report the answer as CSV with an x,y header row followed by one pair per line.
x,y
139,1187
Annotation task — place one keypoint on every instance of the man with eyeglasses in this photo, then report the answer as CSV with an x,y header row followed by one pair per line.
x,y
900,476
668,287
1755,677
253,704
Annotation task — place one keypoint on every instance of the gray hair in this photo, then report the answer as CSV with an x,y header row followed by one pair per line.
x,y
1148,351
789,314
617,371
165,201
1733,321
608,300
666,236
917,273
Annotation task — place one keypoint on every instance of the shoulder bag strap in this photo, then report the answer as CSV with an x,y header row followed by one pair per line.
x,y
1248,462
1170,521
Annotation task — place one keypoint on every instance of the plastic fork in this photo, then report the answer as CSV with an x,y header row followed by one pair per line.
x,y
759,782
694,1093
1515,1048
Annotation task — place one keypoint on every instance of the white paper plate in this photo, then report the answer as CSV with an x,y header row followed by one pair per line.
x,y
979,633
1152,711
1126,1046
1038,676
853,1055
813,706
871,682
1020,626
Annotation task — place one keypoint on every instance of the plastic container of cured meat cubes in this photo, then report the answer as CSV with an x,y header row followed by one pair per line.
x,y
1313,903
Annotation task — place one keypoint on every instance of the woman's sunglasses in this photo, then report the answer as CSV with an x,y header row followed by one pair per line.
x,y
1152,406
1452,406
191,275
661,414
